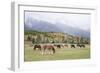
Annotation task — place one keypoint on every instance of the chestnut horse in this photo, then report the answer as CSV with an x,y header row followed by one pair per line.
x,y
45,48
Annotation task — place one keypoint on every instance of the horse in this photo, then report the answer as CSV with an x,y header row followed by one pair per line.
x,y
66,45
49,48
44,48
62,45
58,46
37,46
81,45
78,45
72,46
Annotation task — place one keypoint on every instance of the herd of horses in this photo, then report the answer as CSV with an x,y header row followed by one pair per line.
x,y
51,48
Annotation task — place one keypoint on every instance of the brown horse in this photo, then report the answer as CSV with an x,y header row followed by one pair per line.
x,y
45,48
49,48
81,45
37,47
66,45
72,46
58,46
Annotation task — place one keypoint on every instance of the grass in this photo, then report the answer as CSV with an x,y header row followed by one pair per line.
x,y
61,54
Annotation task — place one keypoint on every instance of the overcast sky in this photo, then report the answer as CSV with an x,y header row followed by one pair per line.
x,y
81,21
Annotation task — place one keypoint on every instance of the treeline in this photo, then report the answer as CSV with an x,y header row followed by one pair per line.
x,y
53,37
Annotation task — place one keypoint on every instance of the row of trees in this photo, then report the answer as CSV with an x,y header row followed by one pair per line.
x,y
42,39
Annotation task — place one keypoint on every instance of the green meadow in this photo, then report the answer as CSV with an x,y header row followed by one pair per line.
x,y
65,53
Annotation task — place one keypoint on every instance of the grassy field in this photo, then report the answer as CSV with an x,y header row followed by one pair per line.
x,y
61,54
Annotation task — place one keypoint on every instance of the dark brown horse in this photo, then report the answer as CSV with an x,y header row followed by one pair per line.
x,y
37,47
72,46
57,45
81,45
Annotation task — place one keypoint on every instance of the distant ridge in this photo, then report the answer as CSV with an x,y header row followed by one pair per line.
x,y
43,26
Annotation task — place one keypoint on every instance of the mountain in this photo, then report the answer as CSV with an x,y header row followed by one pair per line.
x,y
74,31
43,26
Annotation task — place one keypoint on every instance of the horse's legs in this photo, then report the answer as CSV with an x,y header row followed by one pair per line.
x,y
34,48
50,51
43,51
47,50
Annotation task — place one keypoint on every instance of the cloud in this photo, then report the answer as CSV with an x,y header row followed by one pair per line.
x,y
81,21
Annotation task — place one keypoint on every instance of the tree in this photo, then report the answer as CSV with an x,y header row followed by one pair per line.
x,y
78,40
65,41
72,42
47,40
53,41
38,39
82,40
28,38
33,41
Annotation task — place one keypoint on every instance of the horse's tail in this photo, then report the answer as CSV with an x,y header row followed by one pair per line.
x,y
53,49
34,48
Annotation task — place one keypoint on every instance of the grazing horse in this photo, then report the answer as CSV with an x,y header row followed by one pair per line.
x,y
50,48
81,45
58,46
78,45
66,45
63,45
45,48
37,46
72,46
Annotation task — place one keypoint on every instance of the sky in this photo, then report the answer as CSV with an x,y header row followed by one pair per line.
x,y
81,21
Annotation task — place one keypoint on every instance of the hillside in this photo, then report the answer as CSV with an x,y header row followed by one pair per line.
x,y
54,37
